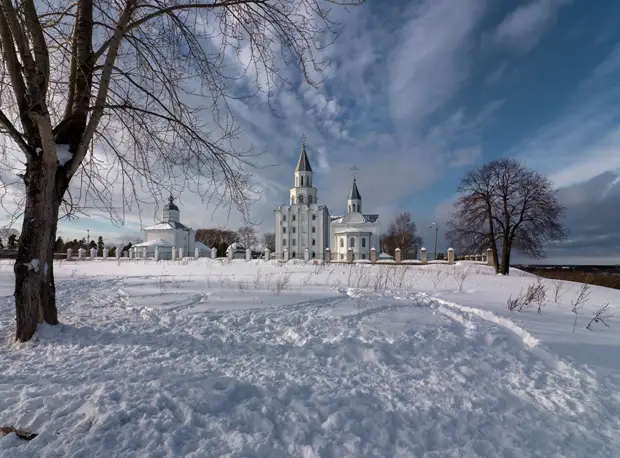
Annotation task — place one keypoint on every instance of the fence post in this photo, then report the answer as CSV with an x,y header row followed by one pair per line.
x,y
373,255
450,256
397,255
423,255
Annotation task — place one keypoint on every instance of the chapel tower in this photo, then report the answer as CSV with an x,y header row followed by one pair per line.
x,y
354,204
303,192
171,211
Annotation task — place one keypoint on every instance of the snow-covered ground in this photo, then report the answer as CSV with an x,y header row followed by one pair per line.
x,y
208,358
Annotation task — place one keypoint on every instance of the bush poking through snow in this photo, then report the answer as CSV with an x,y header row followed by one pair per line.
x,y
600,316
582,297
558,285
535,293
281,283
460,275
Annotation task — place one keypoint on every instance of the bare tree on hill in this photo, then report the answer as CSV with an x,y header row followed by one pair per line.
x,y
402,233
504,205
96,94
269,240
247,236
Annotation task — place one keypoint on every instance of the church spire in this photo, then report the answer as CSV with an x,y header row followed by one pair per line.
x,y
303,164
355,193
354,202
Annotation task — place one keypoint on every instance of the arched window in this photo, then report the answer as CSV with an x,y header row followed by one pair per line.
x,y
301,198
349,209
341,243
302,180
352,242
353,207
363,242
309,199
293,200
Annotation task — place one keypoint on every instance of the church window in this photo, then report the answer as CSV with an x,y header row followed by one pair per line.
x,y
363,242
313,229
313,242
283,217
294,254
313,217
283,242
309,199
363,256
302,180
293,242
341,243
294,230
293,218
341,256
313,254
284,230
352,242
301,199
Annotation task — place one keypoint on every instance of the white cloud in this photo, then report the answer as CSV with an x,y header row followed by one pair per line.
x,y
525,26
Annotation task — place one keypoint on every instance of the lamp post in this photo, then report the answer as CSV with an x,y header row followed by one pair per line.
x,y
436,230
88,238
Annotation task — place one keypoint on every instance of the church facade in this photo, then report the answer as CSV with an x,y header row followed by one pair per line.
x,y
354,231
303,224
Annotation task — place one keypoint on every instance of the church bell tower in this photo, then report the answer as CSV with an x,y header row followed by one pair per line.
x,y
354,203
303,192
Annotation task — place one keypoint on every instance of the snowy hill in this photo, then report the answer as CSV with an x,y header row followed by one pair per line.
x,y
207,358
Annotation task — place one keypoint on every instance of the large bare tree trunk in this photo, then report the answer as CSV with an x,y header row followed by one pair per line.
x,y
35,298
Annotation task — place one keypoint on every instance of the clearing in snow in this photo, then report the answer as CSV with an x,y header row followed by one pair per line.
x,y
216,358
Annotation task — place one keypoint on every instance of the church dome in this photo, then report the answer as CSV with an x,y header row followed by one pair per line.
x,y
353,217
170,205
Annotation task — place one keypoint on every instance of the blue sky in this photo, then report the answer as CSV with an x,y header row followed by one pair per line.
x,y
419,92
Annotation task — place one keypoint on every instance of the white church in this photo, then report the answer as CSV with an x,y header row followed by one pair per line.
x,y
304,225
168,234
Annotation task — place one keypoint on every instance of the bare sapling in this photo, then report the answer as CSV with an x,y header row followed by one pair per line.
x,y
602,314
580,300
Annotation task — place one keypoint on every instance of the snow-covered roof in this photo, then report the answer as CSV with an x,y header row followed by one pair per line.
x,y
201,246
352,231
158,242
166,226
235,246
366,218
384,255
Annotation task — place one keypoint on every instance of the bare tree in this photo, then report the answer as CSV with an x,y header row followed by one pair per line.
x,y
92,90
247,236
503,205
269,240
402,233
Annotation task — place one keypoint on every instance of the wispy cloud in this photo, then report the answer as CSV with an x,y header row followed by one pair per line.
x,y
433,58
524,27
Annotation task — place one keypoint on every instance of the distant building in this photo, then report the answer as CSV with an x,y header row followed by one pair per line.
x,y
304,224
169,233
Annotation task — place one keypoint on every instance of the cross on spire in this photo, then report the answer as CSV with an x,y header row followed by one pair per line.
x,y
354,170
303,140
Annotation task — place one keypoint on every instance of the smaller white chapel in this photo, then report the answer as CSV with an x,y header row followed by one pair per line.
x,y
354,231
169,233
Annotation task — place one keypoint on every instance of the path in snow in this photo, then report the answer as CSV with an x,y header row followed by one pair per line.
x,y
349,374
